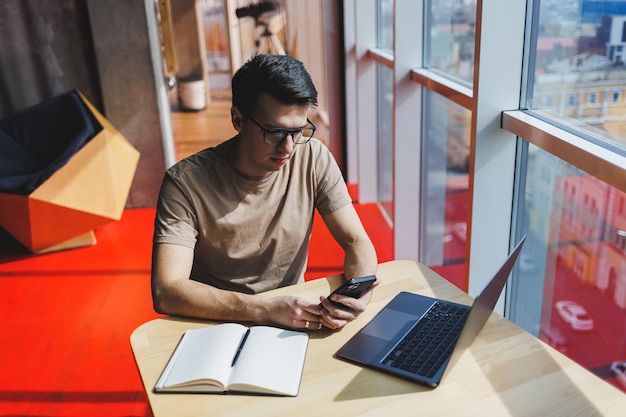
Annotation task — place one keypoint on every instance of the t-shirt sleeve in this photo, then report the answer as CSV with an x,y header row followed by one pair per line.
x,y
332,192
175,221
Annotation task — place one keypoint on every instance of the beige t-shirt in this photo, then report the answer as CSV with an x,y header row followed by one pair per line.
x,y
248,236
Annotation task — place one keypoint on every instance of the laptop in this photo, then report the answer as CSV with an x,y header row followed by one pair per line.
x,y
418,337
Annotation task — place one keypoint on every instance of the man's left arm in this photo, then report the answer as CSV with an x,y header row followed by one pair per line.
x,y
360,260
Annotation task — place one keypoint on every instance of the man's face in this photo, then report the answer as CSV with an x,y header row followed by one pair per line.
x,y
254,157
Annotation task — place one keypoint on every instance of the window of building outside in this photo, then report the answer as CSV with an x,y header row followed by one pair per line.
x,y
570,288
384,88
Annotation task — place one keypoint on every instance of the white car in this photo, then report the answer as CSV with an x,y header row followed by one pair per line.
x,y
575,315
619,369
460,230
526,263
556,339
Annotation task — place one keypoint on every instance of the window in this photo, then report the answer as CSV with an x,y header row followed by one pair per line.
x,y
615,96
384,92
446,141
384,25
571,52
573,255
577,261
450,38
505,123
571,100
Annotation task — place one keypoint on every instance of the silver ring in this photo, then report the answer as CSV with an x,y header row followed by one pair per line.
x,y
306,324
319,326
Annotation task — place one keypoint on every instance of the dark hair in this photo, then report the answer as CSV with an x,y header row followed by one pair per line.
x,y
281,76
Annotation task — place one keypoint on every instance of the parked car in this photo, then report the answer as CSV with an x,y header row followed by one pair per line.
x,y
555,338
575,315
460,231
527,263
619,369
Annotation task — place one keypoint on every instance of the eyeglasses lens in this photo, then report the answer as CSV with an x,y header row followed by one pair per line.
x,y
299,136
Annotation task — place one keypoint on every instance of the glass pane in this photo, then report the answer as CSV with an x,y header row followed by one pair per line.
x,y
579,77
217,44
384,24
385,138
449,35
445,185
216,36
569,287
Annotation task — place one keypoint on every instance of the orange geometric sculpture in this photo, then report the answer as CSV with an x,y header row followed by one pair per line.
x,y
88,191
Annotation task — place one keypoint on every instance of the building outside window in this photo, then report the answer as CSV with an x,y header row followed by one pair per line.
x,y
571,283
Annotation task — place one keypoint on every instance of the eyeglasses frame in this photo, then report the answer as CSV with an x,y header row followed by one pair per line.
x,y
285,132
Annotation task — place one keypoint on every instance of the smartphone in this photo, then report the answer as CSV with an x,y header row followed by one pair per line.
x,y
355,287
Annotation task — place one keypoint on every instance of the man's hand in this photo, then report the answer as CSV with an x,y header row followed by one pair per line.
x,y
294,313
336,316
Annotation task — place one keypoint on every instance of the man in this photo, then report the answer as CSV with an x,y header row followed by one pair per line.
x,y
236,219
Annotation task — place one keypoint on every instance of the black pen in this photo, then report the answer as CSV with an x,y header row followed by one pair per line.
x,y
243,340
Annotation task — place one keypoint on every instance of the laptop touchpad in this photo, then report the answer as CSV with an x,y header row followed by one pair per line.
x,y
388,323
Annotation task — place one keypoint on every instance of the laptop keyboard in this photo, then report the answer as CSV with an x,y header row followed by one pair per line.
x,y
428,345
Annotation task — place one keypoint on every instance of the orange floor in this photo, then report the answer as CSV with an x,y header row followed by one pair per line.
x,y
67,317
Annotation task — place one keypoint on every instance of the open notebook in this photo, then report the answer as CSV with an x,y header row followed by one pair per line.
x,y
231,357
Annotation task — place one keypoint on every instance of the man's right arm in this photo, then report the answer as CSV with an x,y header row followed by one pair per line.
x,y
173,292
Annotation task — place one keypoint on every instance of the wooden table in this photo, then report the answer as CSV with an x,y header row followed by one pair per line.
x,y
506,371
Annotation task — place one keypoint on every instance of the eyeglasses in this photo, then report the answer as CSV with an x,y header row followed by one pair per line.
x,y
276,136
